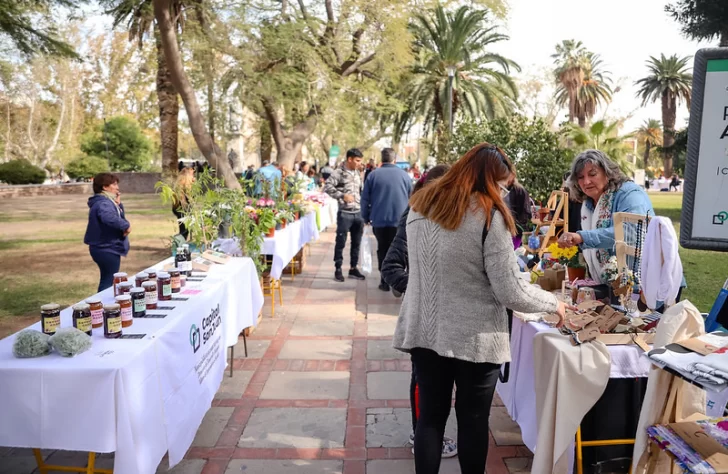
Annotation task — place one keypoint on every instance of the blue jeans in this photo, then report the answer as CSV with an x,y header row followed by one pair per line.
x,y
109,263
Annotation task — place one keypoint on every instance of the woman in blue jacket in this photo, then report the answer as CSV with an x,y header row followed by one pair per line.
x,y
107,231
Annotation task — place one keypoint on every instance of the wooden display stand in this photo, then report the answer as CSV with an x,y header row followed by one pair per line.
x,y
558,203
624,248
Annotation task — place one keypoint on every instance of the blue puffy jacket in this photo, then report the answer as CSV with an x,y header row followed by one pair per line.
x,y
106,226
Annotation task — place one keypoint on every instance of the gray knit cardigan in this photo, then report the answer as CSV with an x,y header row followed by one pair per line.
x,y
459,289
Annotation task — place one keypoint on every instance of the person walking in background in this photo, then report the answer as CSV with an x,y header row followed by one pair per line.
x,y
394,271
519,202
463,275
180,203
675,182
107,230
383,201
344,185
271,176
371,166
574,206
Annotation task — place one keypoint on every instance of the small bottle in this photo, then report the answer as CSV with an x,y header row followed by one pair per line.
x,y
140,278
50,318
97,311
82,318
188,255
174,276
125,287
180,261
182,281
164,286
118,278
124,302
138,302
112,321
150,294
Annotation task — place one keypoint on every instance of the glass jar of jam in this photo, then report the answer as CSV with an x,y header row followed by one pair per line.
x,y
164,286
125,287
140,278
50,318
174,277
124,302
112,321
152,273
82,317
150,294
118,278
182,281
138,303
97,312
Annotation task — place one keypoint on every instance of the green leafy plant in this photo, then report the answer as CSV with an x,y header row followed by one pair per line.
x,y
128,148
86,167
21,172
266,218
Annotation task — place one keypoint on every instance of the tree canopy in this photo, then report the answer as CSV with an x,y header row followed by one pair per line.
x,y
701,19
28,26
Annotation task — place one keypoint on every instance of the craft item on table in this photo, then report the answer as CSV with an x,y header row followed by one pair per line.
x,y
164,286
50,318
138,303
112,321
70,341
97,311
661,268
127,313
709,371
686,456
31,343
585,294
150,293
82,317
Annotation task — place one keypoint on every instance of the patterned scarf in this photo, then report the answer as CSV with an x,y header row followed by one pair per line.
x,y
599,218
112,197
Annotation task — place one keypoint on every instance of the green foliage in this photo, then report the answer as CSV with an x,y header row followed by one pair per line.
x,y
128,148
21,171
666,75
604,136
535,149
20,20
701,19
86,167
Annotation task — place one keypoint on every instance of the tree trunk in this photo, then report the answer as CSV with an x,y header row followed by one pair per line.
x,y
207,72
30,130
7,138
183,86
582,122
266,143
669,113
288,144
646,157
168,111
48,155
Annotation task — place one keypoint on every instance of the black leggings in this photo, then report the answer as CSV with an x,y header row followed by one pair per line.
x,y
475,384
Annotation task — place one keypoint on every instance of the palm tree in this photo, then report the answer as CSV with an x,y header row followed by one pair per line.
x,y
650,134
593,90
669,81
461,40
571,62
602,135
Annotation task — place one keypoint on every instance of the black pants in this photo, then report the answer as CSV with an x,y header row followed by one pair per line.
x,y
109,263
385,236
475,386
182,228
414,402
348,222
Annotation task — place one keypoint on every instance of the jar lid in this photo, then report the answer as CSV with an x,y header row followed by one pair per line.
x,y
174,272
80,307
93,300
138,290
112,307
50,307
151,271
123,298
120,274
141,275
149,284
162,275
126,284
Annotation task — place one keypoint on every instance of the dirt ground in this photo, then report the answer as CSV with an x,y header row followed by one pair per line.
x,y
43,258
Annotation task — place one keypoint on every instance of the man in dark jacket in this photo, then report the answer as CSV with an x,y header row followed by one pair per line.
x,y
384,199
107,230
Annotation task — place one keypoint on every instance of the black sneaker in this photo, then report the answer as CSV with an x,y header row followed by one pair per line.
x,y
355,274
383,286
338,275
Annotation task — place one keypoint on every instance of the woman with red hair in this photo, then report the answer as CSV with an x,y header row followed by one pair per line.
x,y
462,276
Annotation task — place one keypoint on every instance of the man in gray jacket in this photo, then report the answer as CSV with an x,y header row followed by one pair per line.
x,y
344,185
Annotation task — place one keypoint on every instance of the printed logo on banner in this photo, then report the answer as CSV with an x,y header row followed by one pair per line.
x,y
720,218
195,338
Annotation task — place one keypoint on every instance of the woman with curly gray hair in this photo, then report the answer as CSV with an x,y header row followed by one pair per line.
x,y
602,188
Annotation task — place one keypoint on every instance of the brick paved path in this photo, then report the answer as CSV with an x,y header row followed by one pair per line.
x,y
322,391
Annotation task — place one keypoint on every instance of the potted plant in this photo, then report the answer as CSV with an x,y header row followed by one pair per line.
x,y
570,258
267,221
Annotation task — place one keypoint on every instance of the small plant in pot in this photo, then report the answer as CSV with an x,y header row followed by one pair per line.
x,y
570,257
284,216
267,221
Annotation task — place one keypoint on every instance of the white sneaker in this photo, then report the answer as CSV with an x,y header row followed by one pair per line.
x,y
449,446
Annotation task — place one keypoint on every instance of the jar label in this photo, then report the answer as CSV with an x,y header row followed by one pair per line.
x,y
50,324
167,290
150,297
113,325
140,305
176,283
97,316
83,324
126,313
187,266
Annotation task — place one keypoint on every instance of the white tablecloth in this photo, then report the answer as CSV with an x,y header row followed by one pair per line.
x,y
286,243
519,394
327,214
137,397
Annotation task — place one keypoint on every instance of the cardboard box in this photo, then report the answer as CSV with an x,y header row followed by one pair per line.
x,y
216,257
202,264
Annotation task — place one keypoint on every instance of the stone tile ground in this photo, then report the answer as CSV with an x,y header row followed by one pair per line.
x,y
321,392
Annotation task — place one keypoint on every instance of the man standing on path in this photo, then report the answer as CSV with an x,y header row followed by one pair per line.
x,y
271,173
384,199
344,185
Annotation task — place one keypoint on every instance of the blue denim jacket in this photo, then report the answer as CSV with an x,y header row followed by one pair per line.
x,y
630,197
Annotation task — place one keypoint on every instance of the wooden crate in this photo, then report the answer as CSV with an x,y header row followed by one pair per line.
x,y
299,265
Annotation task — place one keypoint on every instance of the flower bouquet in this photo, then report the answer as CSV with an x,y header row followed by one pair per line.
x,y
570,258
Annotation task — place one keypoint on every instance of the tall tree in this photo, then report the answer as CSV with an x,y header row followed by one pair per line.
x,y
702,19
650,135
602,135
571,61
29,26
669,81
460,42
163,13
595,89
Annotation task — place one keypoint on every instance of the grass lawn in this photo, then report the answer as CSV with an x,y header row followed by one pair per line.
x,y
45,260
705,272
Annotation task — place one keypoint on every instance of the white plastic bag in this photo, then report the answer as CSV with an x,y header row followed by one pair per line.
x,y
365,253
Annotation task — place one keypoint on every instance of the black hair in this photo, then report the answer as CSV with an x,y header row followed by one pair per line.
x,y
354,153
